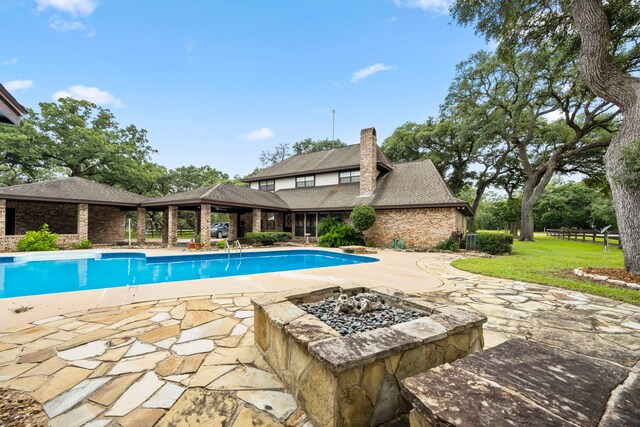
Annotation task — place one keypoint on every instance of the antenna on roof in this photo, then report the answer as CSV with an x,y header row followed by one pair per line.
x,y
333,130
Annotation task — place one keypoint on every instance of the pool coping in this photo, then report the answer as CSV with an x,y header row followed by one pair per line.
x,y
398,269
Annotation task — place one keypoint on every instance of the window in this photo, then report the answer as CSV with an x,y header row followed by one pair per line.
x,y
268,185
349,177
306,181
268,221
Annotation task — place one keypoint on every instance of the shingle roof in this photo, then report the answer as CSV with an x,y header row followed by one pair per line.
x,y
72,190
222,194
319,161
411,184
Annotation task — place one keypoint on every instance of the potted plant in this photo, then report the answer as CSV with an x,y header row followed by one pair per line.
x,y
198,241
191,244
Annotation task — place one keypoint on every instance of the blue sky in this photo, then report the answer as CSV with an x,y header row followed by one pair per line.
x,y
217,82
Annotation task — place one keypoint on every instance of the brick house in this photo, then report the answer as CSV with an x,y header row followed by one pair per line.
x,y
411,200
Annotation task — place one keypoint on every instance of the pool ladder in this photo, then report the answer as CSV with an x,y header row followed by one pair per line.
x,y
236,245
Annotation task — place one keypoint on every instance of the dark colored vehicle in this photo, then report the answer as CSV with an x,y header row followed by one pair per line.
x,y
220,230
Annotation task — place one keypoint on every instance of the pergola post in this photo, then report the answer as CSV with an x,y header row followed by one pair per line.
x,y
257,216
83,221
205,225
233,225
172,225
141,228
3,217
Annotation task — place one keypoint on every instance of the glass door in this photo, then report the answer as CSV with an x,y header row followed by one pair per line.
x,y
312,219
299,224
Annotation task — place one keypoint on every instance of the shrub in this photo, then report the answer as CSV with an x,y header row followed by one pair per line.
x,y
448,245
363,217
220,244
325,225
42,240
495,243
83,244
341,235
268,237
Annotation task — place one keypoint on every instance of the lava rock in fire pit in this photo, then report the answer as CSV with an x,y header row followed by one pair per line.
x,y
360,313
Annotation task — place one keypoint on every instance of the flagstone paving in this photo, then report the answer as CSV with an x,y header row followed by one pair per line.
x,y
191,361
169,362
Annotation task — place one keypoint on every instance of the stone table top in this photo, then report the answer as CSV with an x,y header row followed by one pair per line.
x,y
525,382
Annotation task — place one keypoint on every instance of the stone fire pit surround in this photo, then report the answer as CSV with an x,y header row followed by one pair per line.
x,y
354,380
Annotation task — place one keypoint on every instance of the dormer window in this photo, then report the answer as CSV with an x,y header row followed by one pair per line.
x,y
349,176
306,181
267,185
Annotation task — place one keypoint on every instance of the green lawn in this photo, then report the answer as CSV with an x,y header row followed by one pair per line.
x,y
548,260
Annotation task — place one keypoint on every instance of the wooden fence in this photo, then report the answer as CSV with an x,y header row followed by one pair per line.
x,y
588,236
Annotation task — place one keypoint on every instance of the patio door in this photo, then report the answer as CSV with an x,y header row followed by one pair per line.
x,y
312,220
299,224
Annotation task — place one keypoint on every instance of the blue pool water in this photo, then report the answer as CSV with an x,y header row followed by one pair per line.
x,y
108,270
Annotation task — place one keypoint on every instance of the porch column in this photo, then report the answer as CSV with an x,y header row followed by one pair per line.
x,y
172,226
165,227
3,217
257,215
141,228
83,221
233,225
205,225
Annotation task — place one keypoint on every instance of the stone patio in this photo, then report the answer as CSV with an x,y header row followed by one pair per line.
x,y
190,360
170,362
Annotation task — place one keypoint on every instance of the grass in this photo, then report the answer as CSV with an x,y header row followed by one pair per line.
x,y
549,261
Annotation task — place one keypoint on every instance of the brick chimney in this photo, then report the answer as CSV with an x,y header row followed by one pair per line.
x,y
368,161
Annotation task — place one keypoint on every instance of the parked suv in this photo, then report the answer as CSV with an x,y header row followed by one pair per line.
x,y
220,230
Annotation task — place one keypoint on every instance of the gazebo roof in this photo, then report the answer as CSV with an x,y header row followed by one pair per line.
x,y
72,190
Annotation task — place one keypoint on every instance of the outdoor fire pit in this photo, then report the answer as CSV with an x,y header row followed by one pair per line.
x,y
342,352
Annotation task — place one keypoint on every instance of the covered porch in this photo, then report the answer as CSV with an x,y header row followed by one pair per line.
x,y
248,210
73,208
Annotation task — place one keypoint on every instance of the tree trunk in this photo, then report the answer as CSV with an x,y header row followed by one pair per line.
x,y
606,80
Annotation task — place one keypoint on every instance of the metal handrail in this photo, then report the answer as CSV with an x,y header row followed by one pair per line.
x,y
227,248
239,246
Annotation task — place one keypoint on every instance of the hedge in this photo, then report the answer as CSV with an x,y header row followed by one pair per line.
x,y
42,240
495,243
267,237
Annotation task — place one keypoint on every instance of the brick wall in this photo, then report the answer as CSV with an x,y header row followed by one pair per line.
x,y
30,216
425,227
106,224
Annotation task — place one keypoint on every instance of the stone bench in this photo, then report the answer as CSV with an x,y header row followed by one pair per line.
x,y
524,382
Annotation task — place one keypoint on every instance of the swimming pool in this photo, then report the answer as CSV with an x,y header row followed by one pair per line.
x,y
26,275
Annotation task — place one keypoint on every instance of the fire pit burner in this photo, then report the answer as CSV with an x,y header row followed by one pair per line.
x,y
360,313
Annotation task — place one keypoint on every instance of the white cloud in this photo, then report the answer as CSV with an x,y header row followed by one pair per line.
x,y
12,61
370,70
73,7
91,94
18,85
63,26
258,134
439,6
